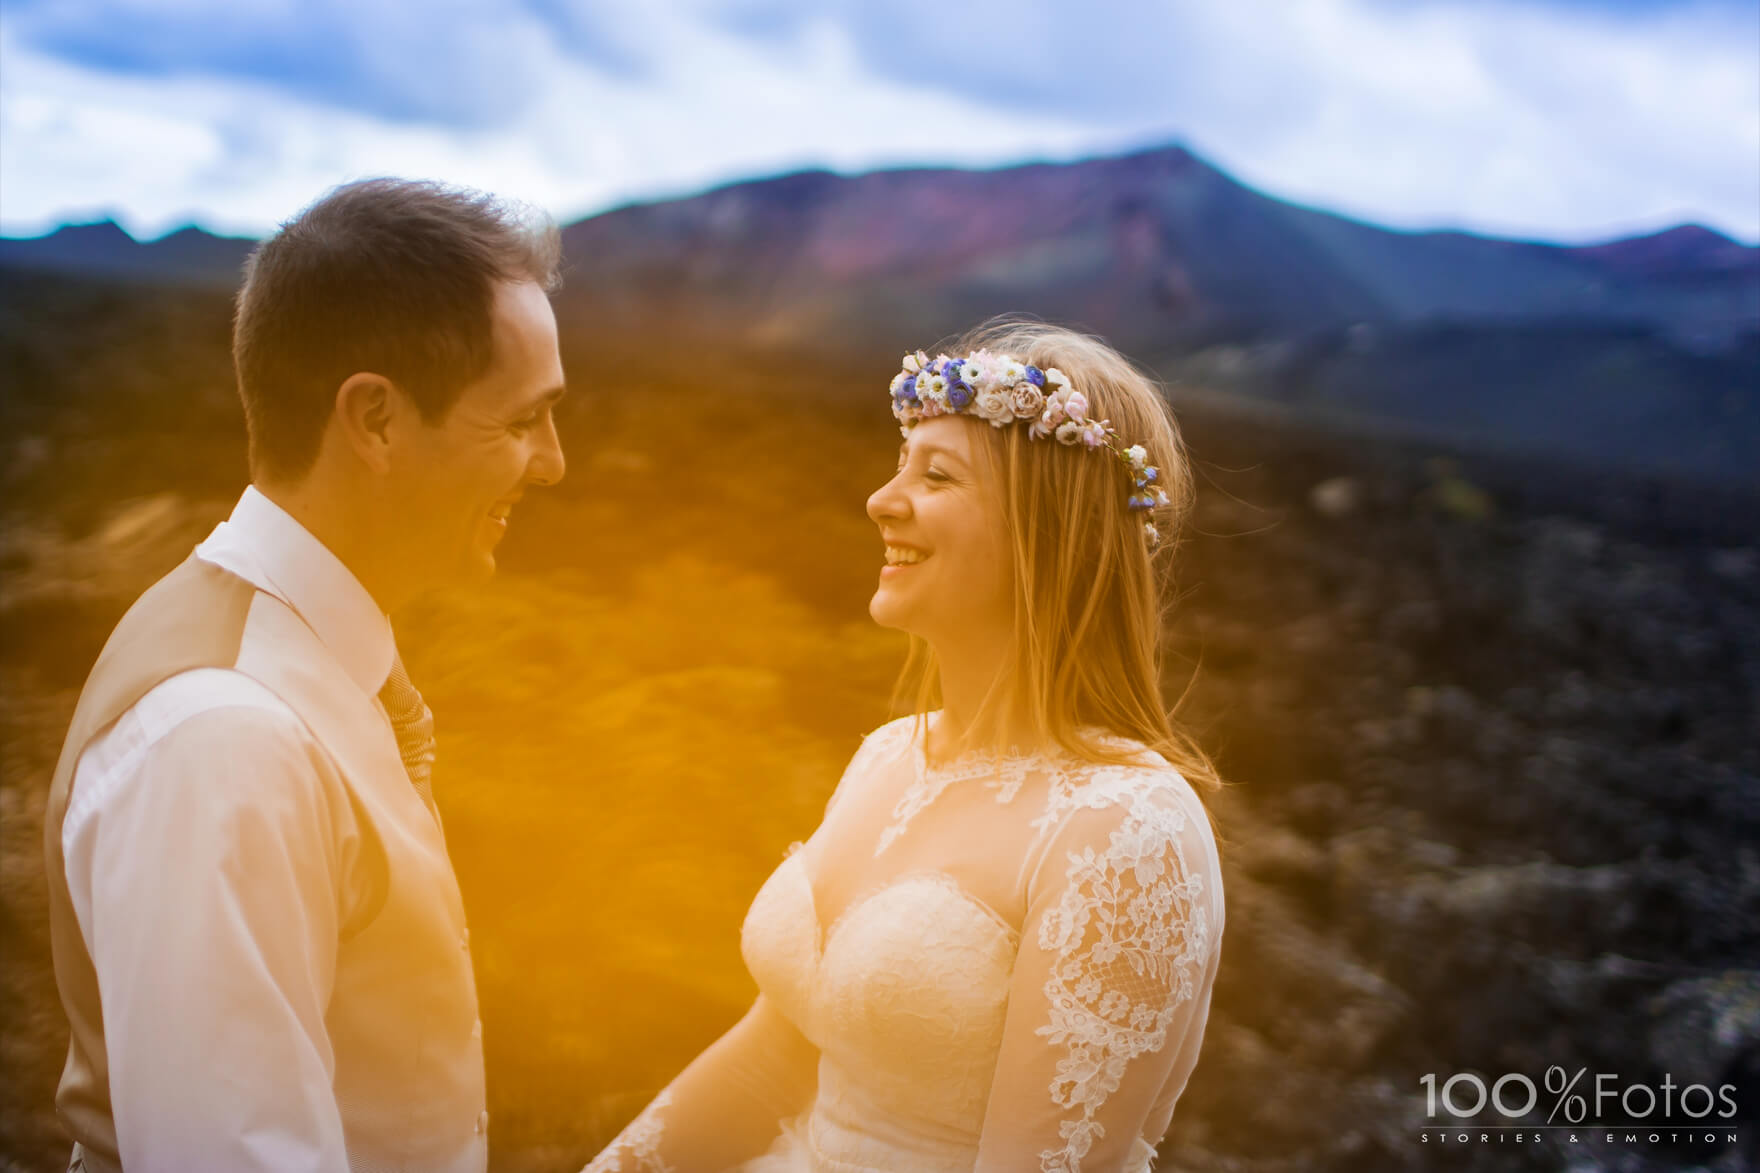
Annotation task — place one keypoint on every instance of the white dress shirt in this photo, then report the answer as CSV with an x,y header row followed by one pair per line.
x,y
203,869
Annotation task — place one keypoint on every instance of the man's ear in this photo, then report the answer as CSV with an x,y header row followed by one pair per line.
x,y
365,407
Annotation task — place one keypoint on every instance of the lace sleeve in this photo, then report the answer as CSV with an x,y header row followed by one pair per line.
x,y
728,1105
637,1147
1112,984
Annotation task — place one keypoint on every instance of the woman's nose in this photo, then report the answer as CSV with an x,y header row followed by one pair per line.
x,y
888,502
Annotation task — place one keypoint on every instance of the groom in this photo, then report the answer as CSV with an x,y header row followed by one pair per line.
x,y
257,933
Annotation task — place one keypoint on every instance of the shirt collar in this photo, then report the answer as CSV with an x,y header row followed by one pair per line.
x,y
265,546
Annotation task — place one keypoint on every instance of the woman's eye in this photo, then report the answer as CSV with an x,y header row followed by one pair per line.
x,y
937,476
526,424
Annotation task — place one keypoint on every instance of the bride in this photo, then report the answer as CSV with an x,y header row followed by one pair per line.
x,y
996,952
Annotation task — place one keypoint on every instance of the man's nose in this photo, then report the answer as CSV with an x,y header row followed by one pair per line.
x,y
548,464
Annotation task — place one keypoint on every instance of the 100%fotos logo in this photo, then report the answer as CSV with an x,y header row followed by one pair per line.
x,y
1514,1096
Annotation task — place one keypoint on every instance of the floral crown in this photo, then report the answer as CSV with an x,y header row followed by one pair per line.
x,y
1002,390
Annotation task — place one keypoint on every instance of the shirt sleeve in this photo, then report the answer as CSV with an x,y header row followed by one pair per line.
x,y
1112,978
215,878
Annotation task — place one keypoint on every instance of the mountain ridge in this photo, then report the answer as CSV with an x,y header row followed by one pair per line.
x,y
1593,351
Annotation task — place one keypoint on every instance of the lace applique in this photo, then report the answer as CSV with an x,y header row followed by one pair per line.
x,y
639,1143
1130,936
1005,773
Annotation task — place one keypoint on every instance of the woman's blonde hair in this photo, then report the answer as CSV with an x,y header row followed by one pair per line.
x,y
1090,593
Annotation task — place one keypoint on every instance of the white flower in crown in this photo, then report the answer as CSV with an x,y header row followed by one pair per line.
x,y
983,370
1069,432
1056,378
915,362
932,390
1094,432
1013,372
1026,400
1138,456
995,406
1041,428
1161,497
898,381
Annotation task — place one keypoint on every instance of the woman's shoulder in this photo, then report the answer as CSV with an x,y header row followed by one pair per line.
x,y
885,742
1129,771
1139,793
879,748
896,730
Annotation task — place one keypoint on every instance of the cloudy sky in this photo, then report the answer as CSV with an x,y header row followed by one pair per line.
x,y
1571,120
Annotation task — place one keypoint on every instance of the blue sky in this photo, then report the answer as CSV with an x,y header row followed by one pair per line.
x,y
1561,119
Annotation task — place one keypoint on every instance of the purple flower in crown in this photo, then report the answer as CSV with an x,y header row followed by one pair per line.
x,y
959,395
1035,376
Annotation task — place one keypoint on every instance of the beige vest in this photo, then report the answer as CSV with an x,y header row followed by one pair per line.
x,y
402,1016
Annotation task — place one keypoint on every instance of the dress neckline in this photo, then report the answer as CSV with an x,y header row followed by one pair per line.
x,y
967,759
1005,772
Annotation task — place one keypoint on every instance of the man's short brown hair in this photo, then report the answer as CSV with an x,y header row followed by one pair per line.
x,y
390,276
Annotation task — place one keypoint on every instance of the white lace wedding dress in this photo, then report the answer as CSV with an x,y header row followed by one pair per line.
x,y
1001,964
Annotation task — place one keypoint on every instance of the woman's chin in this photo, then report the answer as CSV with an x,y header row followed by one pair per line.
x,y
887,612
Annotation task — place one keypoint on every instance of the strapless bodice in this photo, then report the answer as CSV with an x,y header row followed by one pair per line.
x,y
905,996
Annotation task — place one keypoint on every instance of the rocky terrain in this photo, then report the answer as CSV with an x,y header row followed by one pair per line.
x,y
1490,727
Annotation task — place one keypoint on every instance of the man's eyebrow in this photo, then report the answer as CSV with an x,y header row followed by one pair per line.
x,y
547,398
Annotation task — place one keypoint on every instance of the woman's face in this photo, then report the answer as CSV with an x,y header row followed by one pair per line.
x,y
948,575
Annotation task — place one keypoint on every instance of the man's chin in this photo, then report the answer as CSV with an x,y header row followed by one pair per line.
x,y
480,567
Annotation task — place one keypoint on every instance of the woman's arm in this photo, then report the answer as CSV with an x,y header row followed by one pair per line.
x,y
727,1106
1111,979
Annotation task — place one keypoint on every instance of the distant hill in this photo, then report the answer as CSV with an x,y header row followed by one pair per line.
x,y
1159,251
1642,353
189,256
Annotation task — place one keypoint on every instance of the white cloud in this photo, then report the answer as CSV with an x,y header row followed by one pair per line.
x,y
1493,115
240,156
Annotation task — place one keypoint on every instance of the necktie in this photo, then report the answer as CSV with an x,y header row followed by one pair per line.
x,y
413,723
